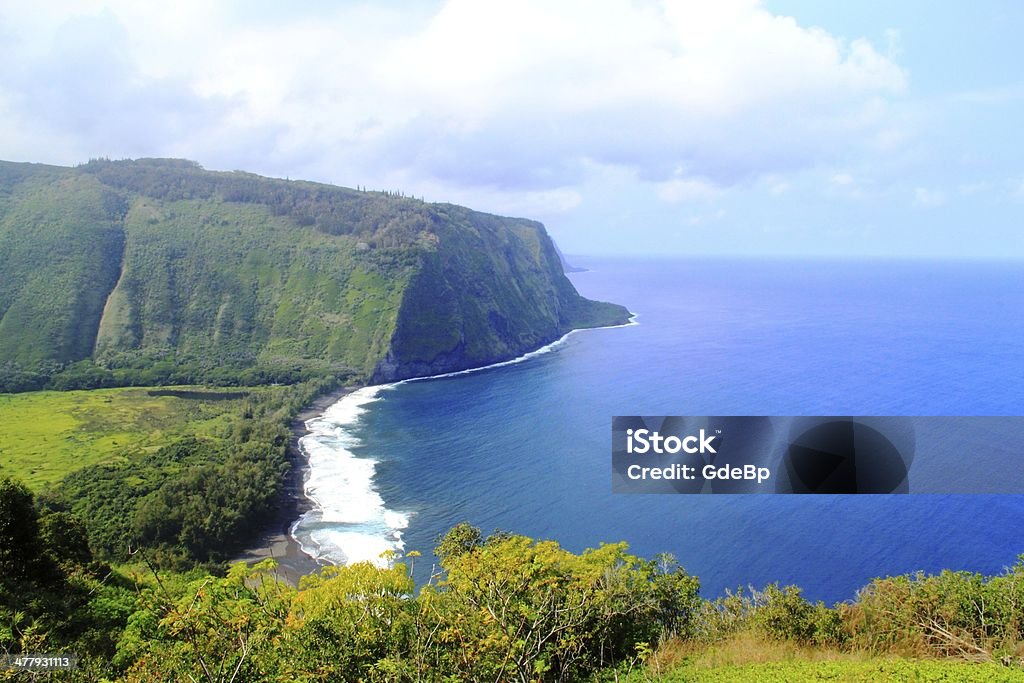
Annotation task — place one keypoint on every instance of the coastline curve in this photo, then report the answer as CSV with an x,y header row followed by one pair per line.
x,y
348,520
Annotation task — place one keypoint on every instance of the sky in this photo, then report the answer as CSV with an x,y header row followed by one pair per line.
x,y
736,127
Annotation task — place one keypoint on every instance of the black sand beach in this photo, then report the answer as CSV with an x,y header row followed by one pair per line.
x,y
277,543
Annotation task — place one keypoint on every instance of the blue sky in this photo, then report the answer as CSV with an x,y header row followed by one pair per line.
x,y
783,127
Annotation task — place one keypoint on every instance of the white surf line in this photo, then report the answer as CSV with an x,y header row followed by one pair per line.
x,y
349,521
357,544
518,359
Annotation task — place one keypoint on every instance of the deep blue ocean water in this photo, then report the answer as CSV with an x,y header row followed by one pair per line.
x,y
526,447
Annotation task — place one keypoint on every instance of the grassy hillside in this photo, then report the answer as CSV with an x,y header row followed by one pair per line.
x,y
44,436
131,264
206,277
60,250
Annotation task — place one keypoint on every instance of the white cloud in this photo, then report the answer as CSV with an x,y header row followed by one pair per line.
x,y
686,190
543,202
971,189
928,199
704,219
989,96
777,186
893,43
514,97
859,184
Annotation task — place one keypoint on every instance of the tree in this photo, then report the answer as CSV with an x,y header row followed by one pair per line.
x,y
512,608
216,630
20,547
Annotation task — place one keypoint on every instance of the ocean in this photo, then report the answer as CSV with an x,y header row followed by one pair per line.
x,y
525,447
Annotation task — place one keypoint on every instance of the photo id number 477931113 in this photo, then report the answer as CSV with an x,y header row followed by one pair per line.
x,y
38,662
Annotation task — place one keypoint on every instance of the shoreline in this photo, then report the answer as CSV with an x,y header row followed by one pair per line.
x,y
543,348
276,542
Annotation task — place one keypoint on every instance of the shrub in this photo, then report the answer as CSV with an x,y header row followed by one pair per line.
x,y
784,614
960,614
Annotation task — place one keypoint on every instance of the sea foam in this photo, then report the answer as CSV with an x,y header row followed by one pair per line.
x,y
349,521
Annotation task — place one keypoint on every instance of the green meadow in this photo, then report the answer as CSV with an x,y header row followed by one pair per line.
x,y
46,435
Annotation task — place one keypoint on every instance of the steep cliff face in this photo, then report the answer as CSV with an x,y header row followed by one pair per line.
x,y
156,261
60,249
489,290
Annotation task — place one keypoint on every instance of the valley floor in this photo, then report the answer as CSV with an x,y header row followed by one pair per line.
x,y
46,435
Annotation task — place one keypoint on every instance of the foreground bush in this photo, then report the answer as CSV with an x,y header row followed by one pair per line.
x,y
525,610
508,609
959,614
504,608
779,614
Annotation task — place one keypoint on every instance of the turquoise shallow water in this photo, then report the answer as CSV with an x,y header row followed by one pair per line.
x,y
526,447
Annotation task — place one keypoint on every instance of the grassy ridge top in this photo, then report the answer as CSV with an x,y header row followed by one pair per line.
x,y
132,263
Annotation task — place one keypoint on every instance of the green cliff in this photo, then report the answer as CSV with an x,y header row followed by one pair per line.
x,y
156,262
